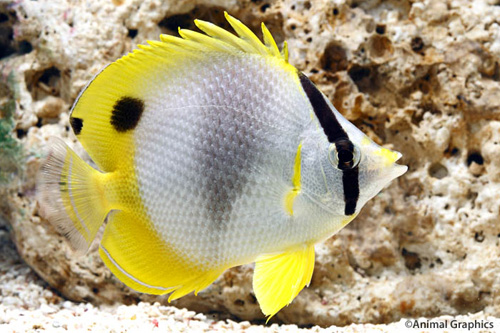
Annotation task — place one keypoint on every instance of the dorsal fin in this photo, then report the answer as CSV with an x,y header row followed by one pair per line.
x,y
222,40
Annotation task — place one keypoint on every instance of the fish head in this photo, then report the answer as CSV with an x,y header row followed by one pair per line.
x,y
377,167
355,168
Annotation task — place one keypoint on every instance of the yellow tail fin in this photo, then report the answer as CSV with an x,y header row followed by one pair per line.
x,y
71,195
278,279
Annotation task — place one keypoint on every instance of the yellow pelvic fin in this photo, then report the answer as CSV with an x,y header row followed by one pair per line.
x,y
278,279
135,253
72,195
292,194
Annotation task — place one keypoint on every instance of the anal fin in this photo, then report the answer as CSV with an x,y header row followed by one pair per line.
x,y
134,253
279,278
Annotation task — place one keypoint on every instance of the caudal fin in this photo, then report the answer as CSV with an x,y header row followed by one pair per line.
x,y
71,195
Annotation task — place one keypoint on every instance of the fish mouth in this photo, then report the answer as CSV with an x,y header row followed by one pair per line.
x,y
384,174
398,156
397,170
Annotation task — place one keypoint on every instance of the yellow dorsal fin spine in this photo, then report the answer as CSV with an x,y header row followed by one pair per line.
x,y
218,33
246,34
220,39
199,38
284,52
172,42
269,41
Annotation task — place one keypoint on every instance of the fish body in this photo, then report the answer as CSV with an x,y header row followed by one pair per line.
x,y
213,151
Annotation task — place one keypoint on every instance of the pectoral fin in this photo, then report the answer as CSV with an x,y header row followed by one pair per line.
x,y
279,278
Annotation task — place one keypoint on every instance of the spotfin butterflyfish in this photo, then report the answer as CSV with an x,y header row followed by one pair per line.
x,y
211,151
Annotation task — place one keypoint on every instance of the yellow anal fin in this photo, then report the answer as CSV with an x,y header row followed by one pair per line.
x,y
136,255
278,279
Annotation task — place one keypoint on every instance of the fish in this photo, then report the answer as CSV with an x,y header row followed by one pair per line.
x,y
211,151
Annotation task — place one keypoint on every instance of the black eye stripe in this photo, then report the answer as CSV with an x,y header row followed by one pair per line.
x,y
351,190
345,153
345,156
335,134
326,117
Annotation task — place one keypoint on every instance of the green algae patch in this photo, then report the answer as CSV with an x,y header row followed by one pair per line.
x,y
11,149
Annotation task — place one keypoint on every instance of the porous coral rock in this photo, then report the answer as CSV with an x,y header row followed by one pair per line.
x,y
421,77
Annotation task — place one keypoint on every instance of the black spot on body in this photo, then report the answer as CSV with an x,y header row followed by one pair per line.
x,y
345,153
126,113
76,124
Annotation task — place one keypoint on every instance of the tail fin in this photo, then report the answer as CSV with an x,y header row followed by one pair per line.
x,y
71,196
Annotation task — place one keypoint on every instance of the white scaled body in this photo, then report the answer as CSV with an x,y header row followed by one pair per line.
x,y
215,155
213,152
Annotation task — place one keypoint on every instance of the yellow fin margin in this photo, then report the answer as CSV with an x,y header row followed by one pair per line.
x,y
279,278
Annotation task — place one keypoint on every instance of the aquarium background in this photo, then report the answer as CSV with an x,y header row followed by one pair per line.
x,y
420,77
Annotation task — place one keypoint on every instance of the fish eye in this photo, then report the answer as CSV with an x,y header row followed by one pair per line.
x,y
344,155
